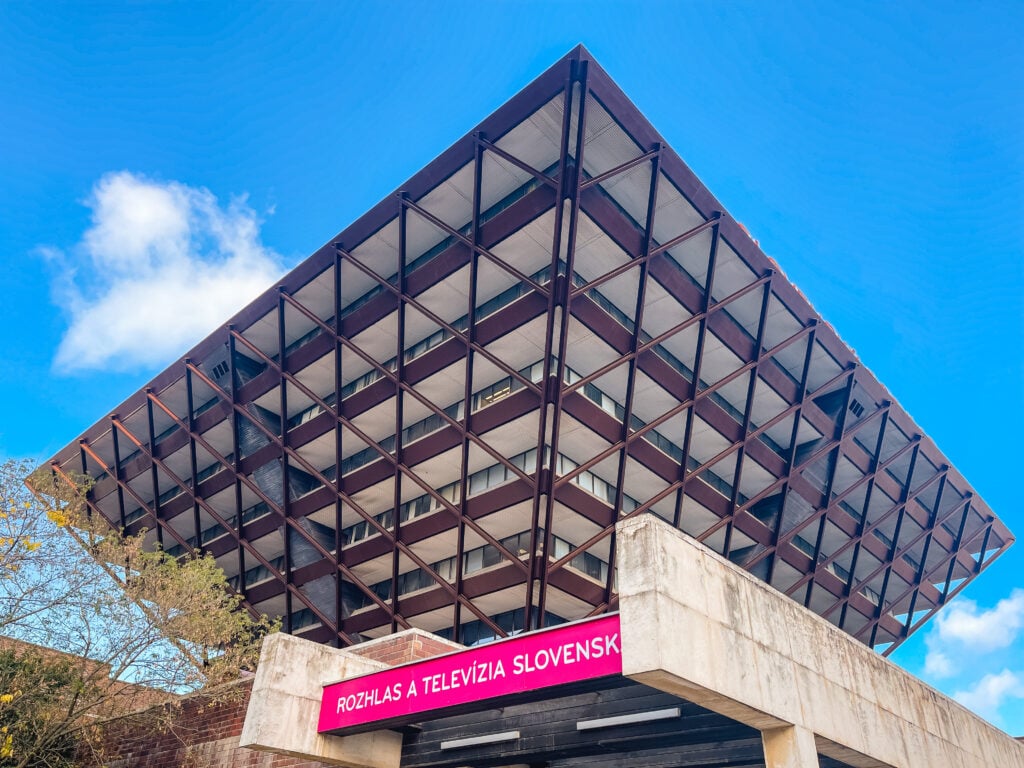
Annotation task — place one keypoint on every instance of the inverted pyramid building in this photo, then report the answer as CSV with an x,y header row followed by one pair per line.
x,y
437,419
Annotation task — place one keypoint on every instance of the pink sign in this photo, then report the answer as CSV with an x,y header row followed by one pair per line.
x,y
565,654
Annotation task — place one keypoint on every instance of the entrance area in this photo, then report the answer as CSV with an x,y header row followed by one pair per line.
x,y
618,724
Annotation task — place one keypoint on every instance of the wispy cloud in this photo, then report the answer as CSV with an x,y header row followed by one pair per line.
x,y
964,627
938,664
161,265
975,652
991,692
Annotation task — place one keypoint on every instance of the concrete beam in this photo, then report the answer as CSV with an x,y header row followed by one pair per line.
x,y
789,747
698,626
285,704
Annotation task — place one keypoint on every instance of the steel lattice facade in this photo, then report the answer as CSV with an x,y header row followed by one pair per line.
x,y
437,419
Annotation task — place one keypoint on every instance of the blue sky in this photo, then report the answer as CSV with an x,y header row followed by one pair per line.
x,y
875,151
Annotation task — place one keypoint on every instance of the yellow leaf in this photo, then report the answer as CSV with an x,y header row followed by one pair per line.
x,y
58,517
7,747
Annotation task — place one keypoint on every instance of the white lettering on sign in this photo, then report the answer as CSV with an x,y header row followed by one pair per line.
x,y
482,672
371,698
565,654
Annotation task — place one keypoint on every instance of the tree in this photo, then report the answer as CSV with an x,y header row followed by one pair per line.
x,y
94,624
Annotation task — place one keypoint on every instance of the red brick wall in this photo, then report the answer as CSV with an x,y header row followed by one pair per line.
x,y
200,734
404,647
204,734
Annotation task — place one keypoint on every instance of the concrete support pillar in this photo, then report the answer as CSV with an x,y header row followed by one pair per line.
x,y
789,747
285,703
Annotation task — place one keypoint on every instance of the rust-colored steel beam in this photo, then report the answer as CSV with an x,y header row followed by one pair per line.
x,y
293,524
638,323
271,504
433,317
132,492
565,227
400,466
218,518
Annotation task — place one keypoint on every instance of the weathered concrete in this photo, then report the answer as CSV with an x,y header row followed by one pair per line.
x,y
696,625
285,705
789,747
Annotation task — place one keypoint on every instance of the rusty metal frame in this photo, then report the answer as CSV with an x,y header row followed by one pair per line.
x,y
791,453
560,307
240,477
467,393
654,155
156,462
558,288
289,521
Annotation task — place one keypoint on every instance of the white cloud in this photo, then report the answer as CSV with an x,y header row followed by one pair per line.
x,y
161,266
989,693
938,664
962,630
983,630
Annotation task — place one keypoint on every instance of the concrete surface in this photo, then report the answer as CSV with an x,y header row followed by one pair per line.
x,y
285,705
698,626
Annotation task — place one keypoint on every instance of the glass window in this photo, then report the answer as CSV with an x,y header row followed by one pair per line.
x,y
491,556
474,561
477,482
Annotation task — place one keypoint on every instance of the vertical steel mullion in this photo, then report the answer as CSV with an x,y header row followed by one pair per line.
x,y
862,524
399,402
56,472
698,356
190,420
570,192
841,431
193,467
117,477
900,551
794,433
748,408
84,461
338,379
282,339
933,515
545,462
152,463
638,316
984,546
285,495
236,459
893,549
957,544
467,394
